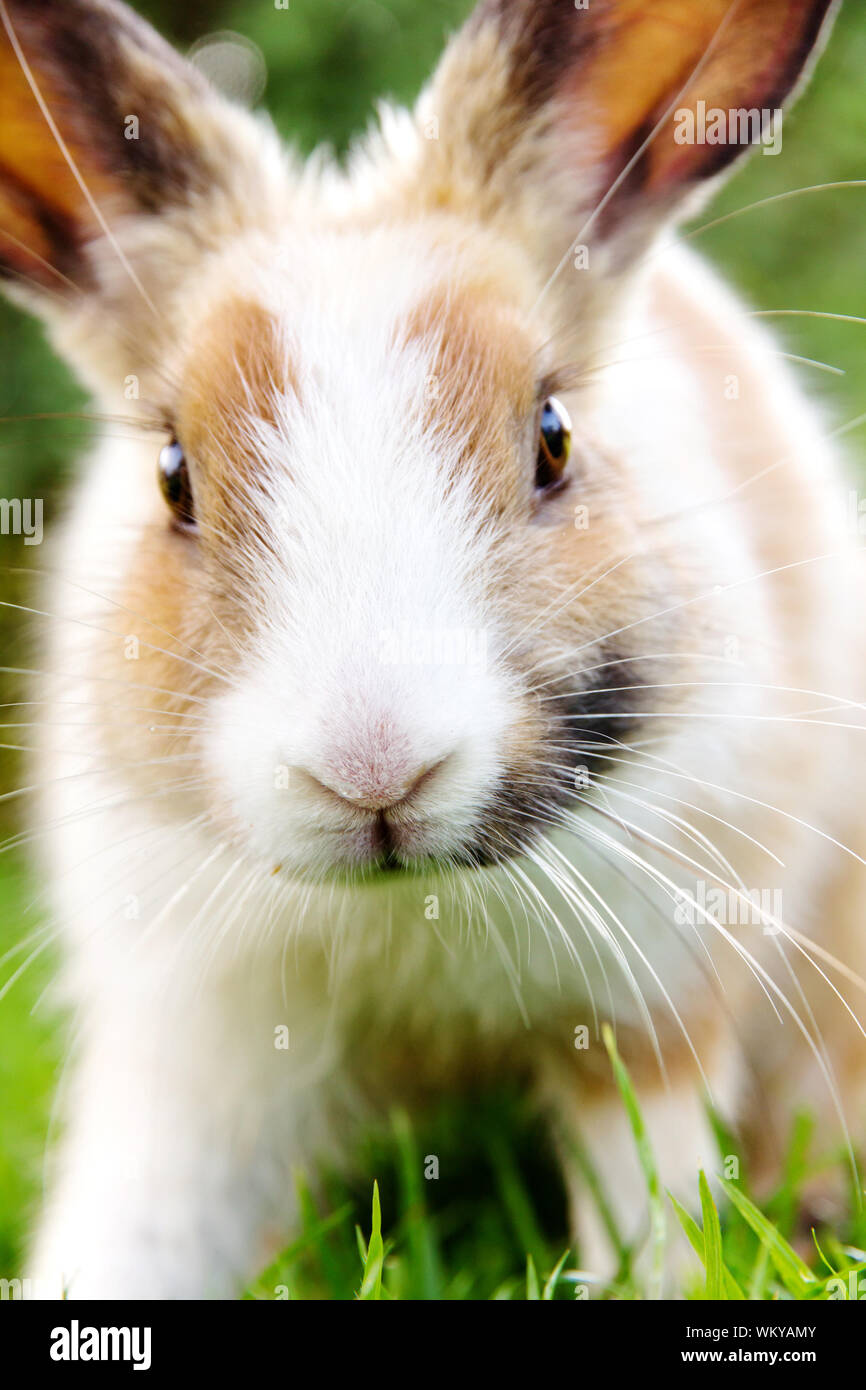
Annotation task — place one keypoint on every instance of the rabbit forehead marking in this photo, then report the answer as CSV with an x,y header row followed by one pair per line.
x,y
238,375
240,365
481,384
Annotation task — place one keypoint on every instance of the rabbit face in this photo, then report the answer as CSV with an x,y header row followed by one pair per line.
x,y
407,544
397,597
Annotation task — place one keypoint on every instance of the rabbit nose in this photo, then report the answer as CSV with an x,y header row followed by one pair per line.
x,y
377,789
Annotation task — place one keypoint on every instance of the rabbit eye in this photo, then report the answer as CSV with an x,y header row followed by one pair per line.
x,y
554,443
175,485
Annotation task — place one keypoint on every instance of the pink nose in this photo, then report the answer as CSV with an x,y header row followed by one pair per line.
x,y
373,789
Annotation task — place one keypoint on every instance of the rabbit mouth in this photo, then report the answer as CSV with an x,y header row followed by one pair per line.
x,y
358,795
587,730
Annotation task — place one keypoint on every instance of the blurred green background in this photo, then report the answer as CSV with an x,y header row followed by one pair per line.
x,y
327,61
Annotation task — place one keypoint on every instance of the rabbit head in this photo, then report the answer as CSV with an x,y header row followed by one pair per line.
x,y
389,531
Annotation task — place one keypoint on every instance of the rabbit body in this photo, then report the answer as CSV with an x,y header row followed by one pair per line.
x,y
395,769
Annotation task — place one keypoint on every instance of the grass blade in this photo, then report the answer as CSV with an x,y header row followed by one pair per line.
x,y
695,1237
553,1279
758,1280
371,1283
658,1226
424,1261
712,1240
315,1232
516,1200
792,1270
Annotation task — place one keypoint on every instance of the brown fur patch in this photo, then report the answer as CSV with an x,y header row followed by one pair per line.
x,y
165,607
237,368
587,1072
482,385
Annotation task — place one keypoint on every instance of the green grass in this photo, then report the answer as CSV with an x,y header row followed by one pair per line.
x,y
486,1220
29,1065
442,1239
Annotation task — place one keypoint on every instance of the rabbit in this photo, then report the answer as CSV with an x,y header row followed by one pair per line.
x,y
452,644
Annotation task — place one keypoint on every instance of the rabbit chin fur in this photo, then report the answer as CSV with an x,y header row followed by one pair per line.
x,y
351,362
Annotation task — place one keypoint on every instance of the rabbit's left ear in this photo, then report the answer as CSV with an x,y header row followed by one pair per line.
x,y
101,124
540,106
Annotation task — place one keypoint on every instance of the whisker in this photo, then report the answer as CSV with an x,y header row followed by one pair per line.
x,y
107,632
753,207
131,612
640,151
768,984
561,600
714,592
64,150
671,769
110,680
665,993
702,810
86,416
95,808
52,269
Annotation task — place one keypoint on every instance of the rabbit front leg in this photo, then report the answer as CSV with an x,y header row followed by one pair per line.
x,y
592,1120
174,1180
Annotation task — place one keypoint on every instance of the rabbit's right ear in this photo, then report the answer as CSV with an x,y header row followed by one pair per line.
x,y
102,125
549,117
